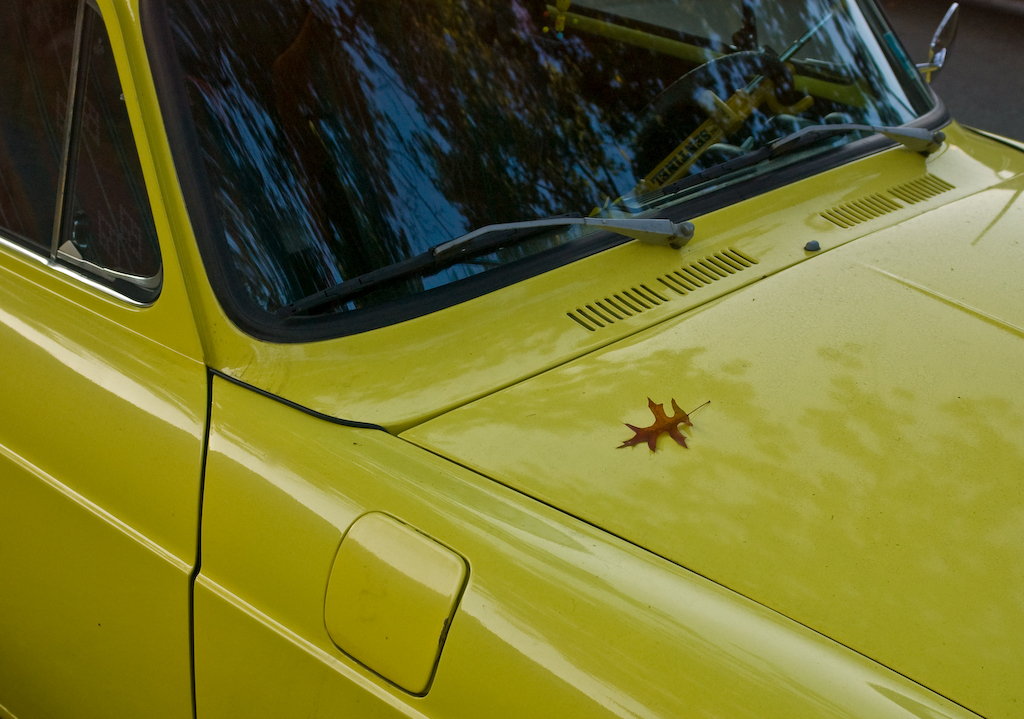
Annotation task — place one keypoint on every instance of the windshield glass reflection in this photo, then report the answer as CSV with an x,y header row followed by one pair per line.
x,y
344,136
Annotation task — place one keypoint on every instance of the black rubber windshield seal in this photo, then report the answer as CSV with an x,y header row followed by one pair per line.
x,y
263,325
295,405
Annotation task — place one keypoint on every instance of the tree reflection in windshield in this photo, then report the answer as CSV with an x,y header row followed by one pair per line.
x,y
343,136
348,136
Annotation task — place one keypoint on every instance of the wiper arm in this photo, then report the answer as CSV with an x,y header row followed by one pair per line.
x,y
483,239
651,231
913,138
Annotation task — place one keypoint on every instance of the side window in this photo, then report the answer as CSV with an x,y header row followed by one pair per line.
x,y
101,224
36,49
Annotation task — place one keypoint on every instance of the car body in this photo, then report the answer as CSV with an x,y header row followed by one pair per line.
x,y
442,504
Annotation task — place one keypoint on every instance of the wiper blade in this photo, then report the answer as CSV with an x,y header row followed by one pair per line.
x,y
913,138
484,239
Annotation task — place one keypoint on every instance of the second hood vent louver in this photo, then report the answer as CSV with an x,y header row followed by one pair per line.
x,y
922,189
642,297
869,207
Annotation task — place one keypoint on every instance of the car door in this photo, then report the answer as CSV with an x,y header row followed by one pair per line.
x,y
102,385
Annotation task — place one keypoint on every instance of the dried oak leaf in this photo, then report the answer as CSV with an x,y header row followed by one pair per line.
x,y
662,424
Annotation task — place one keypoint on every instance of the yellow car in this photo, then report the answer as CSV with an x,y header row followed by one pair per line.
x,y
459,358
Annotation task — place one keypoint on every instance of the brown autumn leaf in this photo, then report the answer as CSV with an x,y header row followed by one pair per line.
x,y
663,424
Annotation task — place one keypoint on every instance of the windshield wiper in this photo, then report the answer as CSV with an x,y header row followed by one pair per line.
x,y
487,238
913,138
652,231
916,139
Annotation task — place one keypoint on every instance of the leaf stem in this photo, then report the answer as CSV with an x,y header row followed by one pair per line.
x,y
701,407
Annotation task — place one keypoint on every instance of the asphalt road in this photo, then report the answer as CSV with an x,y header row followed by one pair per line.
x,y
983,80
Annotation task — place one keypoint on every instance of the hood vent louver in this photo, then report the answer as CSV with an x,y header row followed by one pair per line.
x,y
869,207
922,189
642,297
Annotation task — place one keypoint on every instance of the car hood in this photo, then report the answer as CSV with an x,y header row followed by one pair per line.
x,y
859,467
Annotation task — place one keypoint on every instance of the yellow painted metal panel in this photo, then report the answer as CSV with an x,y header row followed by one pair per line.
x,y
101,478
401,375
558,618
100,465
99,470
859,465
250,664
93,617
391,598
125,413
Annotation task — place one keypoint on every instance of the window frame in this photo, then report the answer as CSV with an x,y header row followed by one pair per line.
x,y
254,321
136,290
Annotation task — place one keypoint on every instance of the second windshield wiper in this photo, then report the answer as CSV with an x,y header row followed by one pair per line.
x,y
490,237
913,138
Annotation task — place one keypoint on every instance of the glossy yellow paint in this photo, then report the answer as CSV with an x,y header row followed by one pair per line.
x,y
391,598
586,624
192,331
402,375
830,418
100,465
859,466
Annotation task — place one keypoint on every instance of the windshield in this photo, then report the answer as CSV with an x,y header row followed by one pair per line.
x,y
343,136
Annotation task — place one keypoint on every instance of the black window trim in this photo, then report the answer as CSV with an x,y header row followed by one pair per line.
x,y
183,139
